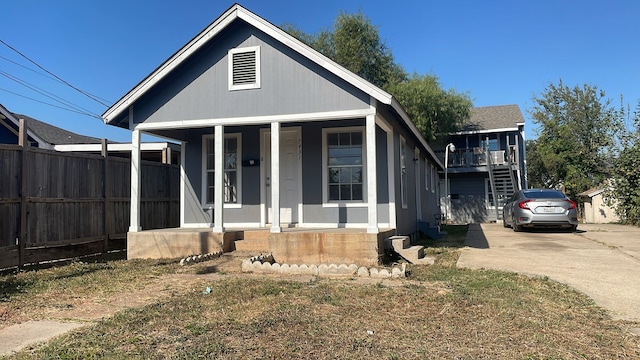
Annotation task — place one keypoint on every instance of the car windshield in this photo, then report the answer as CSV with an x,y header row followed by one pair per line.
x,y
543,194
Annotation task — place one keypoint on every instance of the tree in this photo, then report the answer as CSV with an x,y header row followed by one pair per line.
x,y
435,112
355,43
537,176
577,137
623,188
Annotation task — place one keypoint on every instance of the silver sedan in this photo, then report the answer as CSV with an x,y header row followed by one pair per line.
x,y
540,208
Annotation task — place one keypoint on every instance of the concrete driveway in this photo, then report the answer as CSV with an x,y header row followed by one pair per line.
x,y
600,260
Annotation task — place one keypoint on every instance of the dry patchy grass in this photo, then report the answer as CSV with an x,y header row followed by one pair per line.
x,y
438,312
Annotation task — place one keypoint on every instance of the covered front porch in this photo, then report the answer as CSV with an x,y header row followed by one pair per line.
x,y
291,245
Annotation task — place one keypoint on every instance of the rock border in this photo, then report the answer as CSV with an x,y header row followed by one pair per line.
x,y
189,260
265,264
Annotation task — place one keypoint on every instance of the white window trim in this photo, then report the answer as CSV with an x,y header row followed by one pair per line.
x,y
203,199
404,181
325,165
255,85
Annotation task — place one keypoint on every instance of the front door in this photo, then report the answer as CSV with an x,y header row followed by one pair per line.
x,y
290,165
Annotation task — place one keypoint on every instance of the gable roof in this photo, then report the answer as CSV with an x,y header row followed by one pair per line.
x,y
235,12
494,118
55,135
46,135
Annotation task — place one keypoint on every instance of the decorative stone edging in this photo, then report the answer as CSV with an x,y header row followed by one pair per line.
x,y
266,264
198,258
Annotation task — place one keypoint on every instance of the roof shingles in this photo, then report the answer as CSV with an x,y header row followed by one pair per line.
x,y
494,117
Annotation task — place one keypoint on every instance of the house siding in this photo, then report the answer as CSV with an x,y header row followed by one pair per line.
x,y
313,209
468,198
290,84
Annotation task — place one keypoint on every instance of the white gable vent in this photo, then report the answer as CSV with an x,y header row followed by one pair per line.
x,y
244,68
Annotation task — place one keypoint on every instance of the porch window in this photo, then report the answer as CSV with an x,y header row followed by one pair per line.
x,y
244,68
232,170
403,172
344,154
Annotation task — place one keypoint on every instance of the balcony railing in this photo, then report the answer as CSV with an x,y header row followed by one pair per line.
x,y
477,156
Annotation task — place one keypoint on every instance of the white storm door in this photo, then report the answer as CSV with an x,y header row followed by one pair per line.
x,y
290,178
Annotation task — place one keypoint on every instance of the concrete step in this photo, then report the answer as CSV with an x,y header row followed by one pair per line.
x,y
413,254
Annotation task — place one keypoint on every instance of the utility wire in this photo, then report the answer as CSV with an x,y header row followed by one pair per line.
x,y
41,74
92,97
49,104
48,94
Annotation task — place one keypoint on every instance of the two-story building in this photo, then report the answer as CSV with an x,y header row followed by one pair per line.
x,y
485,165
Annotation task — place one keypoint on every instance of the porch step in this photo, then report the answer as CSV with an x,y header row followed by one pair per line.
x,y
413,254
254,241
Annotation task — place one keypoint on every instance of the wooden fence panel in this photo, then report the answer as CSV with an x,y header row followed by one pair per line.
x,y
9,194
66,200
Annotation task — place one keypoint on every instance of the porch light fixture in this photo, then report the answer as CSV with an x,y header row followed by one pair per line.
x,y
450,148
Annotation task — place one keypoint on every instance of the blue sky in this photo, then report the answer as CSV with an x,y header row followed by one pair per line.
x,y
499,52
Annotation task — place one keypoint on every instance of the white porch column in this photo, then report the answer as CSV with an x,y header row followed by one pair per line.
x,y
372,183
218,183
136,181
275,177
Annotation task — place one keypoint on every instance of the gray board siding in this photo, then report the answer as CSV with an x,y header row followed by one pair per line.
x,y
313,210
290,84
468,198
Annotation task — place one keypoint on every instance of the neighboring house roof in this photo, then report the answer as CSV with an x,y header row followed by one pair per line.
x,y
9,120
117,114
591,192
494,118
55,135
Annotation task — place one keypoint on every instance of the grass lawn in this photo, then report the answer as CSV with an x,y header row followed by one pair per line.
x,y
157,309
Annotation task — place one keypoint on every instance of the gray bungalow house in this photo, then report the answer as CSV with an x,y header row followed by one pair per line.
x,y
486,166
283,150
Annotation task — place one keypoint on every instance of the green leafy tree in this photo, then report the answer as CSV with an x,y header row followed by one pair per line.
x,y
537,176
435,111
622,190
355,43
577,137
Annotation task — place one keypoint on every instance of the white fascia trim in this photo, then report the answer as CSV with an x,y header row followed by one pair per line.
x,y
403,114
488,131
313,55
111,147
212,30
170,64
255,120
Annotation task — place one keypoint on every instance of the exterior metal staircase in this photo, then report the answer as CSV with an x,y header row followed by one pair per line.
x,y
503,181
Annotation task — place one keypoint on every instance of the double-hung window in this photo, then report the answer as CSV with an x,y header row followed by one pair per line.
x,y
232,169
344,155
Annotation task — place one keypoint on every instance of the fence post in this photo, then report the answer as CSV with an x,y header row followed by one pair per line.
x,y
105,195
166,161
23,141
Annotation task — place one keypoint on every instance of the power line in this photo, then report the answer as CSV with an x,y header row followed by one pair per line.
x,y
92,97
47,94
39,73
49,104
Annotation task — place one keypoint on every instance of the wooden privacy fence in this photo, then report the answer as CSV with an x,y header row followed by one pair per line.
x,y
56,205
